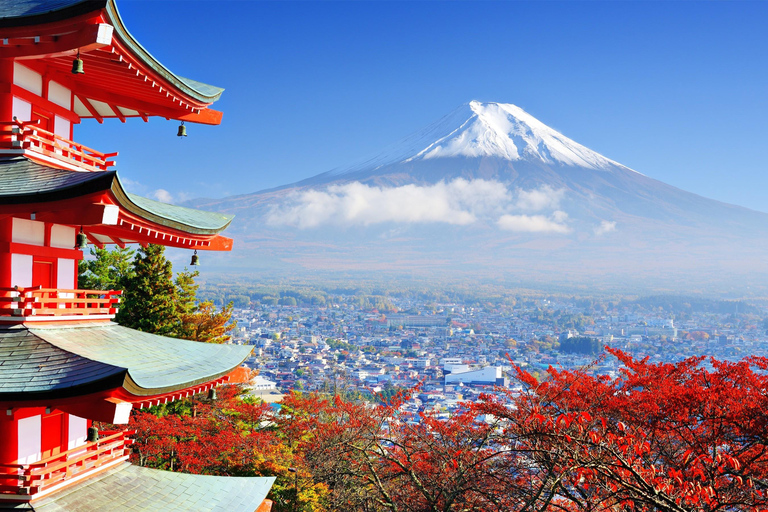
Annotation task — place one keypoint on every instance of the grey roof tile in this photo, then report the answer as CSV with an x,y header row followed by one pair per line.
x,y
30,365
132,488
54,361
24,181
153,362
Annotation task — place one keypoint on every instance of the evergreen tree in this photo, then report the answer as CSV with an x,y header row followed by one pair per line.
x,y
153,301
149,301
186,291
110,270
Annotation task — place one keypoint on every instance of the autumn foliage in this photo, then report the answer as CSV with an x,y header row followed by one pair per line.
x,y
689,436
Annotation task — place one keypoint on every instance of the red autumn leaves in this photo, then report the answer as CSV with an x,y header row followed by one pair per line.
x,y
667,437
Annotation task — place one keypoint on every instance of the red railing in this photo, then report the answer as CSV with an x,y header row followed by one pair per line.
x,y
47,302
28,136
37,477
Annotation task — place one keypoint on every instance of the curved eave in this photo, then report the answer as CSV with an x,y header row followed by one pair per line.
x,y
40,12
22,14
138,390
172,215
23,181
87,388
155,364
198,91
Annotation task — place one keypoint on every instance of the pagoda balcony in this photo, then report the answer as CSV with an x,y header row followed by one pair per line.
x,y
31,304
26,138
25,481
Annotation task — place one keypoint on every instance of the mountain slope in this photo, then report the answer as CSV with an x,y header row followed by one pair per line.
x,y
491,187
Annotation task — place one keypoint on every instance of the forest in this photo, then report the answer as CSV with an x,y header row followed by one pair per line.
x,y
680,437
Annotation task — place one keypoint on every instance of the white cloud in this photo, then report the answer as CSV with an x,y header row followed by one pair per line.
x,y
132,186
605,227
458,202
538,199
163,196
555,223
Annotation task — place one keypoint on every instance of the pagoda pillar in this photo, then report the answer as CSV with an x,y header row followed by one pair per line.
x,y
8,447
6,96
6,227
6,99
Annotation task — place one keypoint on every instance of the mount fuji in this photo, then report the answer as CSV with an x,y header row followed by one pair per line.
x,y
489,190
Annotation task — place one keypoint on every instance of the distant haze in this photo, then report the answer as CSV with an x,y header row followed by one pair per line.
x,y
491,191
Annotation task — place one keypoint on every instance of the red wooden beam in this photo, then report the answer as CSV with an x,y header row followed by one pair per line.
x,y
84,39
117,112
117,241
95,241
90,108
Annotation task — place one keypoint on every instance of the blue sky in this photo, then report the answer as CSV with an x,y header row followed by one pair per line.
x,y
675,90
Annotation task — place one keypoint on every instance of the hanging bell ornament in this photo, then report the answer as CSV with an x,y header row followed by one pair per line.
x,y
93,434
77,65
195,259
82,241
212,394
182,130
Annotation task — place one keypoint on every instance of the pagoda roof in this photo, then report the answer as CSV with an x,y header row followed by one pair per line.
x,y
48,362
129,488
40,187
120,72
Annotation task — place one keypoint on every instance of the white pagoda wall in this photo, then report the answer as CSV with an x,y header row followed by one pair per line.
x,y
33,233
34,82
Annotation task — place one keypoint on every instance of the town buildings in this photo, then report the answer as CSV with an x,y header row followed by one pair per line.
x,y
337,347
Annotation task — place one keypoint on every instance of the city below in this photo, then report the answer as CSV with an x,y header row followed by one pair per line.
x,y
450,353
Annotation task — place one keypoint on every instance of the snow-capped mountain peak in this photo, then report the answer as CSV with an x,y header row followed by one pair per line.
x,y
506,131
478,129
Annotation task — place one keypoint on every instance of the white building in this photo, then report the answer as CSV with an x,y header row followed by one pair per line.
x,y
490,375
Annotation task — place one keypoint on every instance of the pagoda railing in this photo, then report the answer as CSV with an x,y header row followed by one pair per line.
x,y
43,303
28,136
37,477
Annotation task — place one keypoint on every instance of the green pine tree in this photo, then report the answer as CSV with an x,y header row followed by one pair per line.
x,y
110,270
153,301
149,299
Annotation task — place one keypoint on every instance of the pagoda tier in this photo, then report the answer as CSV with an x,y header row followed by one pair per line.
x,y
63,364
98,202
55,380
120,78
86,361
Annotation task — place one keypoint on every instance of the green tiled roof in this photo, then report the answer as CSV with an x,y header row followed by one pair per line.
x,y
23,181
56,362
187,216
129,488
154,363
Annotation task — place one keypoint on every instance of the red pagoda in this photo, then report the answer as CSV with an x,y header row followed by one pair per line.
x,y
63,362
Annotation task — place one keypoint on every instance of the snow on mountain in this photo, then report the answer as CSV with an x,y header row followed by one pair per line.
x,y
478,129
